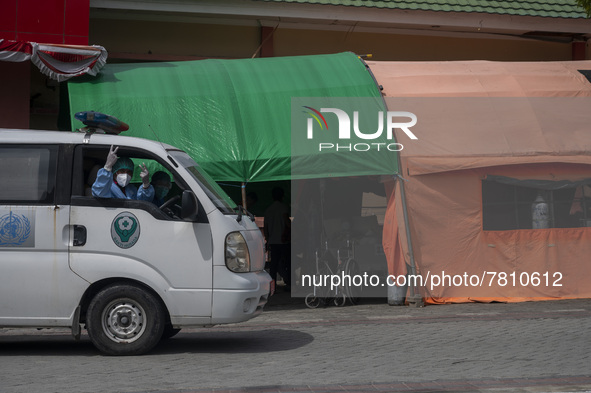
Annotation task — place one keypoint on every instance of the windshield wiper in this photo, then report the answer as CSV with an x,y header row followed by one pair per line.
x,y
241,210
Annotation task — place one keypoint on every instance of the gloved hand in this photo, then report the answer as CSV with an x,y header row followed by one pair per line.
x,y
111,158
145,175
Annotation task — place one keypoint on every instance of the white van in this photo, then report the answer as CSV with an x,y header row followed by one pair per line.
x,y
130,271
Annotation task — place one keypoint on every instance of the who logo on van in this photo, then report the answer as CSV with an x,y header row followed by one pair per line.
x,y
125,230
16,230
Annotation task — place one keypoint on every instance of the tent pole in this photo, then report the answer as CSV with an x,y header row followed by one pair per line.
x,y
243,188
415,297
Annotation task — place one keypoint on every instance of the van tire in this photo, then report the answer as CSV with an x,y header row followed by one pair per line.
x,y
125,319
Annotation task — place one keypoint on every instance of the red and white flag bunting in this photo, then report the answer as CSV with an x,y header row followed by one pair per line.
x,y
59,62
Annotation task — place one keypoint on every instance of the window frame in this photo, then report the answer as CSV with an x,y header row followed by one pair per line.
x,y
78,197
53,192
559,207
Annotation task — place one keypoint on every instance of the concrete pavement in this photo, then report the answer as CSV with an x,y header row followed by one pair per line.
x,y
521,347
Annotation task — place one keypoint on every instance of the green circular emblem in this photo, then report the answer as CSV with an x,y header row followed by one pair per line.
x,y
125,230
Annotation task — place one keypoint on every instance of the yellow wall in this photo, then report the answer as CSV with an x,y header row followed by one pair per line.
x,y
224,41
417,48
179,39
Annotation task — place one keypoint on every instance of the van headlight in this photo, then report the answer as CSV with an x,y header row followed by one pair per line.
x,y
237,255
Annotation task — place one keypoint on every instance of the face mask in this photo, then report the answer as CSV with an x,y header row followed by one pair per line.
x,y
160,192
123,179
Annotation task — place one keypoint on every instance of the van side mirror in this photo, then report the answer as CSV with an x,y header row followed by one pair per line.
x,y
190,206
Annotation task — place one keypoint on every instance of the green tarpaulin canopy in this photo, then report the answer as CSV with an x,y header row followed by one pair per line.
x,y
231,116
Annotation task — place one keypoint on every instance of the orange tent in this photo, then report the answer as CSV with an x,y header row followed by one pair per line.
x,y
493,138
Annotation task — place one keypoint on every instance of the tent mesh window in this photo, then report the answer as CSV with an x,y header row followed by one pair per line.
x,y
509,204
586,74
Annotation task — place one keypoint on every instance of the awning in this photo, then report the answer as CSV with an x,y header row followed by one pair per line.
x,y
234,117
59,62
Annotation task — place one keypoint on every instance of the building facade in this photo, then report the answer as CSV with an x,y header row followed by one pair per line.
x,y
159,30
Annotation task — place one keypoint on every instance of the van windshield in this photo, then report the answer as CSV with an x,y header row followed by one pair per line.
x,y
218,196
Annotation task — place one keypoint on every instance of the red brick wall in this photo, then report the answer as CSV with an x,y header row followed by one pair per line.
x,y
45,21
42,21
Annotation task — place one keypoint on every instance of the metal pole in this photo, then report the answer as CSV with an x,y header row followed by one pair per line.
x,y
244,195
415,298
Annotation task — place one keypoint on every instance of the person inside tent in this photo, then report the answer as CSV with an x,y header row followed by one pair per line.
x,y
277,232
112,181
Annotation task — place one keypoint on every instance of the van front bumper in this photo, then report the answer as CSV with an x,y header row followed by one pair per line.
x,y
238,297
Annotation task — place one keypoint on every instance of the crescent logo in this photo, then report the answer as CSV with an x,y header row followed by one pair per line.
x,y
125,230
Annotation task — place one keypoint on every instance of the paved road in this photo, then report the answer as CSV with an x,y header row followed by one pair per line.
x,y
542,346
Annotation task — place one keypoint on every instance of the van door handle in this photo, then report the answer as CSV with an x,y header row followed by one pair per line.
x,y
79,235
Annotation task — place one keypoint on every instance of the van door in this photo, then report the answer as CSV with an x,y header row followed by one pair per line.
x,y
135,240
37,288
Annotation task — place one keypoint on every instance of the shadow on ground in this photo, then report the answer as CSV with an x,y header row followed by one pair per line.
x,y
202,341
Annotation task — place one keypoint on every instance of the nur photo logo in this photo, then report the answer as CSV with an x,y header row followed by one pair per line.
x,y
347,131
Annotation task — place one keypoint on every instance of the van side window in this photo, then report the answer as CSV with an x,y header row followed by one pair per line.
x,y
28,174
166,187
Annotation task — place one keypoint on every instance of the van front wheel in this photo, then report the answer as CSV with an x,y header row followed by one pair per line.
x,y
125,320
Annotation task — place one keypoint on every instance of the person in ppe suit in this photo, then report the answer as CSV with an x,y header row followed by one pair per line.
x,y
112,181
162,185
